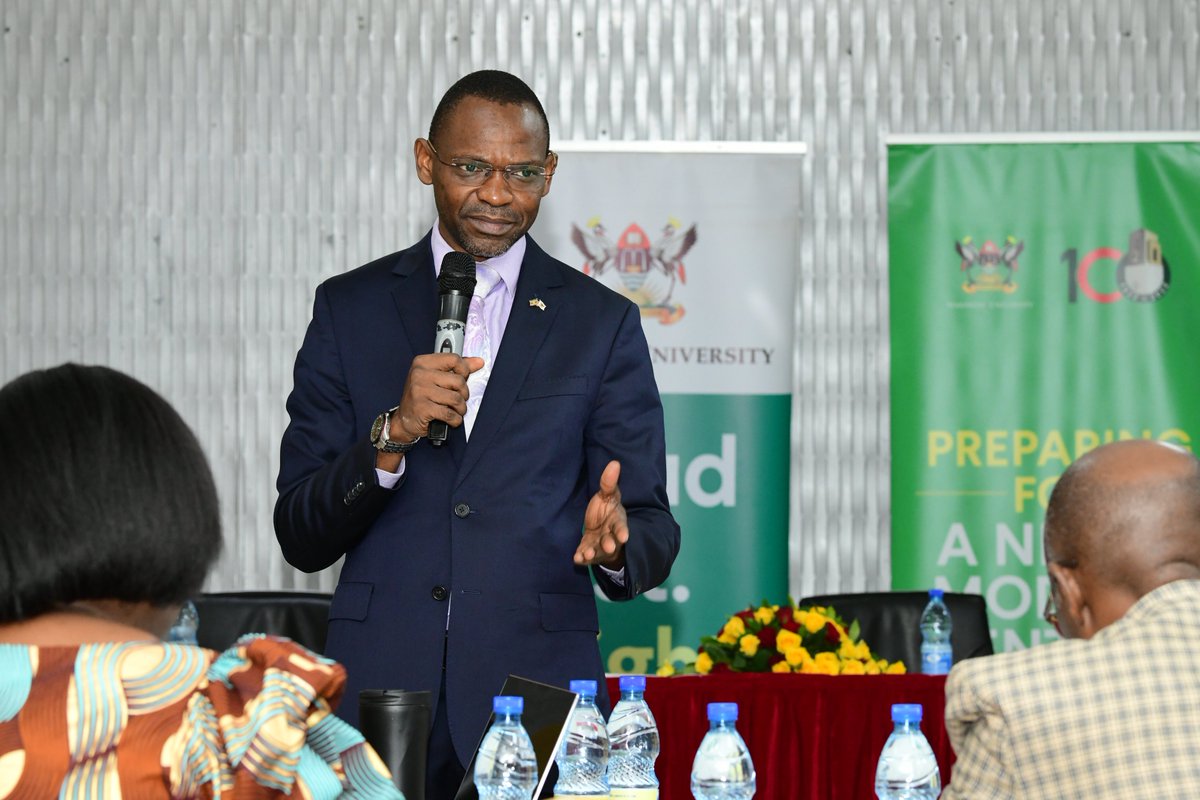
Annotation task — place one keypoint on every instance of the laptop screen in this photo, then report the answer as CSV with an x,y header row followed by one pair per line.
x,y
547,709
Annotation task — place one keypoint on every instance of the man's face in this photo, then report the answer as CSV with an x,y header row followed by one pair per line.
x,y
485,220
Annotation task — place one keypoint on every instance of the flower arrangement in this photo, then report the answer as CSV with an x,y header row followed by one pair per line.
x,y
771,638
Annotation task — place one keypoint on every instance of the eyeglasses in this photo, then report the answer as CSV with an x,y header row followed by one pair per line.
x,y
1050,613
521,177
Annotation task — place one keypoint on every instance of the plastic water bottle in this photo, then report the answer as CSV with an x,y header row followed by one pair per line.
x,y
722,769
907,768
633,737
936,657
583,758
183,630
506,766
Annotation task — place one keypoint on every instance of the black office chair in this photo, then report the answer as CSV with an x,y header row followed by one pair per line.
x,y
300,616
890,622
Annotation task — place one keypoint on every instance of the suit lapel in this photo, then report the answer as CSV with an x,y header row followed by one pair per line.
x,y
527,328
416,299
415,295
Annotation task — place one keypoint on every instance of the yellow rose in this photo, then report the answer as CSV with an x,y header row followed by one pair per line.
x,y
871,667
786,640
797,656
853,668
666,670
732,631
749,644
704,663
781,666
862,652
848,649
810,668
813,621
764,615
896,669
827,663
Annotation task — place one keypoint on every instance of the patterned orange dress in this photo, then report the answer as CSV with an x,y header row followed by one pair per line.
x,y
154,720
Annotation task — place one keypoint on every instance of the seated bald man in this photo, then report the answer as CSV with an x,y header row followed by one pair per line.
x,y
1113,711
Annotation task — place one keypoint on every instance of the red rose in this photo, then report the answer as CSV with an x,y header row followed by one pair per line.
x,y
766,637
747,614
831,633
720,667
773,660
789,623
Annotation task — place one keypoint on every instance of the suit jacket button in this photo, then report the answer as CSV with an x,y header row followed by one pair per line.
x,y
439,593
462,510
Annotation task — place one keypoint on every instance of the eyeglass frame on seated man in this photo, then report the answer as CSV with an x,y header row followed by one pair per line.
x,y
510,171
1050,612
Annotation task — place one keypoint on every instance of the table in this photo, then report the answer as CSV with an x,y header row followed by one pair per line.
x,y
810,736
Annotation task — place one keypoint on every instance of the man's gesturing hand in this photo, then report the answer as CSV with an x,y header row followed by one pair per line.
x,y
605,527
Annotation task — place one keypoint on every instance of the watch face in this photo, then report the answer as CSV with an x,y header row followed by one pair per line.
x,y
377,428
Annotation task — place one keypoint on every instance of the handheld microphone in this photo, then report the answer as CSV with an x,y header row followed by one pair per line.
x,y
456,284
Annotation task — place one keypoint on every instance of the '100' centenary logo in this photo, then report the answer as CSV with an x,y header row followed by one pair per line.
x,y
1142,271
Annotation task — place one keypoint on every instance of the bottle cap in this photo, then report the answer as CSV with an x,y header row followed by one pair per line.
x,y
935,593
906,712
508,704
722,712
635,683
584,688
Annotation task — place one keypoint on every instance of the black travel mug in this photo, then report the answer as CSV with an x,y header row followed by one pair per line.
x,y
396,723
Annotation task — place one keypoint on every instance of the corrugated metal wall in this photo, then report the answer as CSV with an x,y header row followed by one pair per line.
x,y
178,176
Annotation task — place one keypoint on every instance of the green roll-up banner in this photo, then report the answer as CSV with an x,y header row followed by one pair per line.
x,y
1043,301
705,243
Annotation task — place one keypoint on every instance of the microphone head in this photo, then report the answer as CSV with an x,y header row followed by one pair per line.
x,y
458,274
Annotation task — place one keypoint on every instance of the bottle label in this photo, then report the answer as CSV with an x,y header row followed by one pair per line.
x,y
634,794
936,663
584,796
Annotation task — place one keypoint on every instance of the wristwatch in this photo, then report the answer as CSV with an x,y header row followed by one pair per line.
x,y
379,434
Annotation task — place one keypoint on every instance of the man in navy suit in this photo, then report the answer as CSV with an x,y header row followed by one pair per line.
x,y
470,561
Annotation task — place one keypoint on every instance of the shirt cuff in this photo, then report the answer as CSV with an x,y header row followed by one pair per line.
x,y
617,576
390,480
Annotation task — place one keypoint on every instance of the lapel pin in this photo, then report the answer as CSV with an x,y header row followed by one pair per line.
x,y
537,303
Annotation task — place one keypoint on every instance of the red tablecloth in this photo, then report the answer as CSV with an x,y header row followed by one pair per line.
x,y
810,736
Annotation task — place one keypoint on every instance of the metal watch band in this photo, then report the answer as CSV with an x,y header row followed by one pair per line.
x,y
384,442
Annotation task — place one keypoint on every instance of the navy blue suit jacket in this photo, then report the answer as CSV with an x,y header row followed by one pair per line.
x,y
489,526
